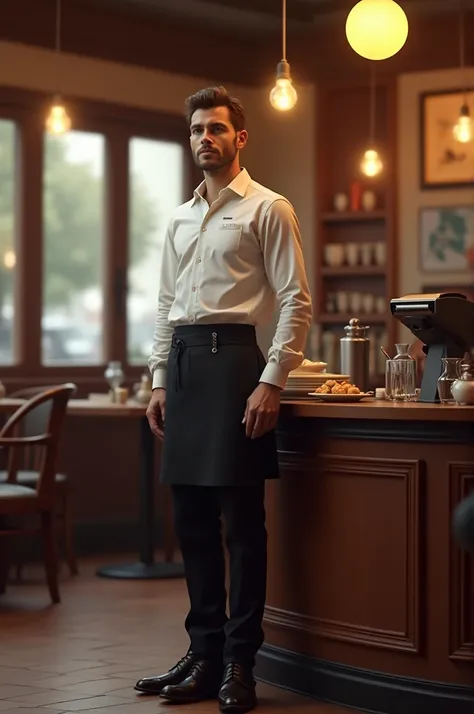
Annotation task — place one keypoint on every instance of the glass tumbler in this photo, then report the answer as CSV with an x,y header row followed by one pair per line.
x,y
400,380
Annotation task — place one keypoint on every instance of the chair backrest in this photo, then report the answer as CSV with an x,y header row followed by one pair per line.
x,y
43,415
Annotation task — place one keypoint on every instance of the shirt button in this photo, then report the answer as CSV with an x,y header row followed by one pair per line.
x,y
191,319
203,229
194,290
199,260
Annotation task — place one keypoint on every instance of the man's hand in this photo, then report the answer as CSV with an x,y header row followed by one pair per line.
x,y
261,413
156,412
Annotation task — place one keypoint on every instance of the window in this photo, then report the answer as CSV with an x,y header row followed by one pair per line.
x,y
83,216
156,189
73,216
7,240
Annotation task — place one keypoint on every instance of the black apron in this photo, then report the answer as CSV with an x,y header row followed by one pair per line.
x,y
212,371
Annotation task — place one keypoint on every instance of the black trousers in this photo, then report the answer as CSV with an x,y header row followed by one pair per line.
x,y
197,512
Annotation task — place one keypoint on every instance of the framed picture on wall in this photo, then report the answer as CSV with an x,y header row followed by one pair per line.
x,y
446,239
445,162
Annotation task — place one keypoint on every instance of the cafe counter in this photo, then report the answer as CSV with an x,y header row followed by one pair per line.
x,y
370,603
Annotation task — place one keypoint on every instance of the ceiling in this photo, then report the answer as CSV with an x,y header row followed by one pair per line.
x,y
253,16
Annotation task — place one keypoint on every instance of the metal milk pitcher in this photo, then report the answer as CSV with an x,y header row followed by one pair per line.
x,y
355,354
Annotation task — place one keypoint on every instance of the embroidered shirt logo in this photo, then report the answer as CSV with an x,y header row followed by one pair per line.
x,y
230,227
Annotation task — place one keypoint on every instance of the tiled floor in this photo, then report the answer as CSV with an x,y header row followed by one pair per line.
x,y
86,654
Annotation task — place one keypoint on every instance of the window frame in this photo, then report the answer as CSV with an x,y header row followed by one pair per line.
x,y
119,124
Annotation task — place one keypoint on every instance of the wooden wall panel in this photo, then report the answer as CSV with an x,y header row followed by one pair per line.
x,y
378,513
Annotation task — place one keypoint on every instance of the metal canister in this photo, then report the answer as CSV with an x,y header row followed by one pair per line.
x,y
355,354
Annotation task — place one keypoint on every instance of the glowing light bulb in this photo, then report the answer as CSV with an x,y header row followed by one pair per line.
x,y
283,95
377,29
9,259
462,130
58,121
371,164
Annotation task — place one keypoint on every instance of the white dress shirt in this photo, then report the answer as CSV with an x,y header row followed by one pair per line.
x,y
226,263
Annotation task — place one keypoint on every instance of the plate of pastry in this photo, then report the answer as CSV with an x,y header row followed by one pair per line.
x,y
339,391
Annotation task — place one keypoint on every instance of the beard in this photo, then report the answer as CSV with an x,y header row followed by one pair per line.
x,y
215,161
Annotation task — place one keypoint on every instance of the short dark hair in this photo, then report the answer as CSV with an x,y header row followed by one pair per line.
x,y
216,97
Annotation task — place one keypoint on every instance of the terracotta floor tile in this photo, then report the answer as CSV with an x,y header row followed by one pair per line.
x,y
49,696
93,647
78,705
7,691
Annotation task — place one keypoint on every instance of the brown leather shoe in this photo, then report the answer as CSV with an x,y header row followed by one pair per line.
x,y
155,685
202,683
237,693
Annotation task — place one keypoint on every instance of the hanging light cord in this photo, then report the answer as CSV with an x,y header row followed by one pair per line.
x,y
284,29
58,26
372,102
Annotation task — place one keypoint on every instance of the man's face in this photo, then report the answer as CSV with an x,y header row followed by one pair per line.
x,y
214,141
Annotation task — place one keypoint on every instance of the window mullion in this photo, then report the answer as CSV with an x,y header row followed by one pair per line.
x,y
29,239
116,247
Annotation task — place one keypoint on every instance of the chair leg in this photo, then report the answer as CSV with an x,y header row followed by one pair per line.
x,y
50,555
68,533
4,564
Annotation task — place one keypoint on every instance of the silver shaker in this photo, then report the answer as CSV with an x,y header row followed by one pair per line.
x,y
355,354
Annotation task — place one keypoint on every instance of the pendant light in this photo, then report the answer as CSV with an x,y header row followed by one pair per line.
x,y
377,29
463,130
371,164
58,120
283,95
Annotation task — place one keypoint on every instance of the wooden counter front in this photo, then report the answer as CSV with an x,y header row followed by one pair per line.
x,y
370,602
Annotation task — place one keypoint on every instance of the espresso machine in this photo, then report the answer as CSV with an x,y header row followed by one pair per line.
x,y
444,323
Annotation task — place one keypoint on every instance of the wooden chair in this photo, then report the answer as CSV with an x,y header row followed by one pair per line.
x,y
27,475
20,502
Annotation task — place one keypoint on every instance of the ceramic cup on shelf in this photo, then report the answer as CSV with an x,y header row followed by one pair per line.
x,y
380,253
334,254
368,302
355,302
341,201
342,301
369,200
366,252
380,305
352,254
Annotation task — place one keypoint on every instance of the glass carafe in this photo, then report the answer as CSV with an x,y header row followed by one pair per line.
x,y
451,372
114,374
402,351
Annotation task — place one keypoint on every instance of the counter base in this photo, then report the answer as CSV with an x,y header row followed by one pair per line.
x,y
358,688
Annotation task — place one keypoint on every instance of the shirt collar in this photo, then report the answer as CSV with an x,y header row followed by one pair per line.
x,y
239,186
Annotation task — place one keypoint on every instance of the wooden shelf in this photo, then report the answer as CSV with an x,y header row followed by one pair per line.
x,y
353,216
338,318
353,270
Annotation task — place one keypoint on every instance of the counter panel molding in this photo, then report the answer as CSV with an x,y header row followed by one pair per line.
x,y
363,472
370,603
461,481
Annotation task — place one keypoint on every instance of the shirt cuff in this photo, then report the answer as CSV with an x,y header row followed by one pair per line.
x,y
159,379
274,374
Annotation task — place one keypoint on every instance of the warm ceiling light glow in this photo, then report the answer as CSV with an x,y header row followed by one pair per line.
x,y
58,121
462,130
283,95
377,29
371,164
9,259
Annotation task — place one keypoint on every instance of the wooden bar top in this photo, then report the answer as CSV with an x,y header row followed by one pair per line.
x,y
377,409
366,409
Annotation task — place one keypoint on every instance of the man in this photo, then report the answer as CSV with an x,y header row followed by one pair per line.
x,y
227,253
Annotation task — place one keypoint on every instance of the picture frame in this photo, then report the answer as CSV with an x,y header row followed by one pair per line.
x,y
446,239
444,162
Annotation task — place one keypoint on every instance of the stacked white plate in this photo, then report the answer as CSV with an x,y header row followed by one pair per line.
x,y
306,378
